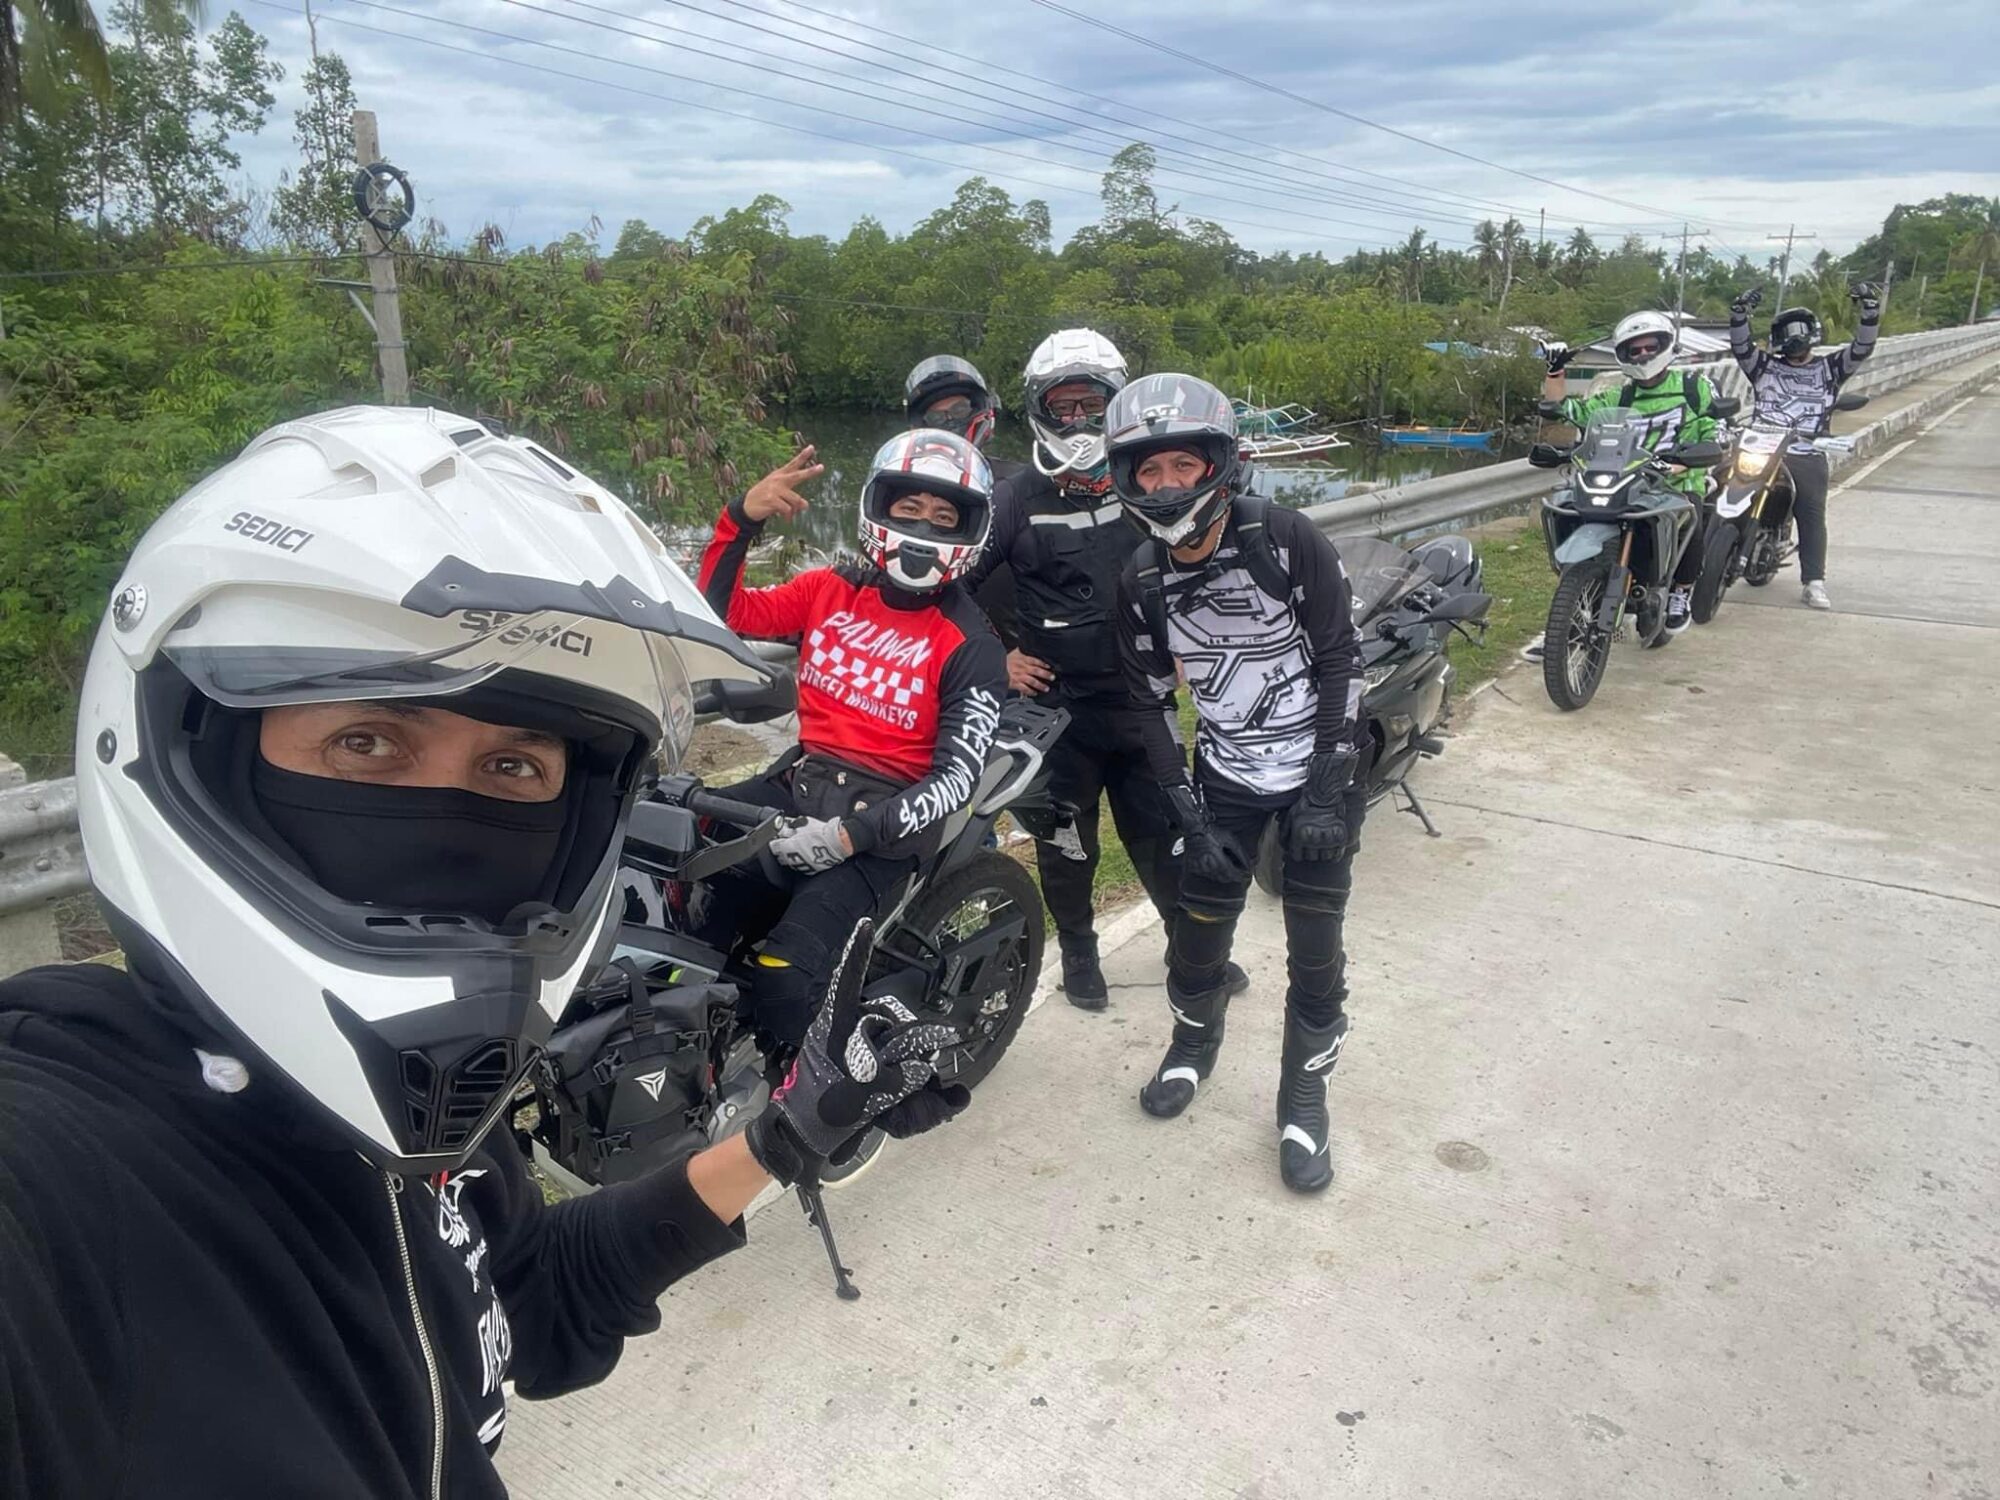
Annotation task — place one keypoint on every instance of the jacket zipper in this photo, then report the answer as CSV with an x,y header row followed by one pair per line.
x,y
395,1186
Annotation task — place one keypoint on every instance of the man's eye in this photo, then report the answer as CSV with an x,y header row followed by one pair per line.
x,y
365,742
515,767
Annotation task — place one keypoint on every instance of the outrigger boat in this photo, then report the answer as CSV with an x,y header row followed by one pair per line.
x,y
1281,434
1437,437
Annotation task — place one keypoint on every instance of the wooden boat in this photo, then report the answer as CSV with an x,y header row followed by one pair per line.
x,y
1438,437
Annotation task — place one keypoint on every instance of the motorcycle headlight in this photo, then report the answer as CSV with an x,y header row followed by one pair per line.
x,y
1751,463
1374,677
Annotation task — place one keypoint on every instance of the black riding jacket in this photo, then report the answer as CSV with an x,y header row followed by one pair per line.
x,y
202,1294
1065,551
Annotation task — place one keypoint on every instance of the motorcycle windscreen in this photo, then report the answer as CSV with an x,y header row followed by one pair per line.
x,y
1379,574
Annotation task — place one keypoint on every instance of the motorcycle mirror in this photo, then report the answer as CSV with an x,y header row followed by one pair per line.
x,y
1466,606
1548,456
749,702
1850,403
1725,407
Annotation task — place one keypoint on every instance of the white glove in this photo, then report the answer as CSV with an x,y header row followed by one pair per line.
x,y
1556,355
809,844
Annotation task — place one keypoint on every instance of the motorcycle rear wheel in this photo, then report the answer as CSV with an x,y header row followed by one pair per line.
x,y
1717,558
1576,650
987,890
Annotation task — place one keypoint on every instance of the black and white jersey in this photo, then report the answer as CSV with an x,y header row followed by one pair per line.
x,y
1800,396
1273,679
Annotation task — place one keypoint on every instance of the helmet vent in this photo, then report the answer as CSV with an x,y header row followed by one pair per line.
x,y
438,473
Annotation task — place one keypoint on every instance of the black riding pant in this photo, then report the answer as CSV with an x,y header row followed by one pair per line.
x,y
1688,569
1101,755
1808,473
801,929
1315,902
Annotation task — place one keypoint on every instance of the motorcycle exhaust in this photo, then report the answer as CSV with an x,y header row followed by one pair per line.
x,y
1429,744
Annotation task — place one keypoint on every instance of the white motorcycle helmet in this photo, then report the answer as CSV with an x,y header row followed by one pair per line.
x,y
1645,325
919,555
1070,450
413,559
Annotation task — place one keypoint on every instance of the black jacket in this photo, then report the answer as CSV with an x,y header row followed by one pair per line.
x,y
201,1295
1065,551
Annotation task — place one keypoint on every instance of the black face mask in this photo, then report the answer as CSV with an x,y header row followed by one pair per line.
x,y
415,848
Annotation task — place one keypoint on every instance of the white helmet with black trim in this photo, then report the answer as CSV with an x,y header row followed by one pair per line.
x,y
1156,413
1644,344
923,555
416,560
1070,449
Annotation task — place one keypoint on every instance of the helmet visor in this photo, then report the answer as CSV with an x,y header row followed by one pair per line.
x,y
259,648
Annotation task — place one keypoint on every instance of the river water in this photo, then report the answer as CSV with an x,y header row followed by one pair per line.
x,y
847,440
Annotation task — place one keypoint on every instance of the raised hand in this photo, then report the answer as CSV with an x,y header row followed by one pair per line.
x,y
776,494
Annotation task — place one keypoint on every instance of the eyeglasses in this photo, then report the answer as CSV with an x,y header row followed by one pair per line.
x,y
1083,406
953,411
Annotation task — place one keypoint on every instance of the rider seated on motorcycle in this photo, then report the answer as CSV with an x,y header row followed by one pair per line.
x,y
1677,405
1251,600
900,680
1792,385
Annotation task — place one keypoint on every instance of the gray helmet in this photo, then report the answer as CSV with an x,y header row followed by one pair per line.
x,y
1160,412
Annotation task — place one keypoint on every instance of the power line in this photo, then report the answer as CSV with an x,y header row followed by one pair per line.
x,y
1346,198
1407,186
874,97
601,83
1285,93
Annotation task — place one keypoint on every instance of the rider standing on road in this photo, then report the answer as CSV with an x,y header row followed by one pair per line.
x,y
1791,384
950,394
1677,405
352,774
1062,533
900,680
1252,602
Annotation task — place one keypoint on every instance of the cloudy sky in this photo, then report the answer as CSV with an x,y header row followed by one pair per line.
x,y
1741,120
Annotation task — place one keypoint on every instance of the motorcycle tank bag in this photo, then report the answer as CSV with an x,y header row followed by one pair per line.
x,y
624,1089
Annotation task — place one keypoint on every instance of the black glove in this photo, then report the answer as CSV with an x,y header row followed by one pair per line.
x,y
1209,853
932,1105
1745,302
1557,355
1315,826
1867,296
859,1062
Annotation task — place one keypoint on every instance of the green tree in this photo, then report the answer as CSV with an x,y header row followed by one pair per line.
x,y
314,207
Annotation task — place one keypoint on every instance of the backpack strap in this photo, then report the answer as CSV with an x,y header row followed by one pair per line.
x,y
1691,393
1253,544
1151,557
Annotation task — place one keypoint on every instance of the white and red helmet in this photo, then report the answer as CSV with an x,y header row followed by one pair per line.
x,y
921,555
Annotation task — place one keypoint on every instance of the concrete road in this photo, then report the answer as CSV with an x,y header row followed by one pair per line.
x,y
1669,1132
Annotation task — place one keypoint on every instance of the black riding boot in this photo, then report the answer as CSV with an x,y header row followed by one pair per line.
x,y
1190,1055
1082,979
1305,1134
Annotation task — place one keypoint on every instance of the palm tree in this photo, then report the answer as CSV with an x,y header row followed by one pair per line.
x,y
42,39
1486,238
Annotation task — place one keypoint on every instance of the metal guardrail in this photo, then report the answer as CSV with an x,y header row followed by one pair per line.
x,y
41,852
1497,489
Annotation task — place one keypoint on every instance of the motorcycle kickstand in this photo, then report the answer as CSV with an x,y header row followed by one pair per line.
x,y
1418,808
815,1207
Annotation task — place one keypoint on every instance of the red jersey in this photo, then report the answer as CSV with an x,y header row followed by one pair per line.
x,y
905,685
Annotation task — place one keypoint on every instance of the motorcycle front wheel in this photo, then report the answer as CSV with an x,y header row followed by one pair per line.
x,y
1575,650
1763,564
987,892
1718,556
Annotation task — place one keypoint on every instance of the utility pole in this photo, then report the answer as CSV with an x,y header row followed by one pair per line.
x,y
1785,265
389,346
1972,312
1541,230
1888,281
1680,290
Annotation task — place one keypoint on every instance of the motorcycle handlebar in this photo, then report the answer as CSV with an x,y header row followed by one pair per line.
x,y
729,810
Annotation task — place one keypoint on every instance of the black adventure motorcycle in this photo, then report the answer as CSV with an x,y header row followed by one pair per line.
x,y
1615,531
1750,533
1407,603
658,1058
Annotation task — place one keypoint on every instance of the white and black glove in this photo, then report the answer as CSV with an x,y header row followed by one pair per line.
x,y
1557,355
809,844
1745,302
863,1063
1867,296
